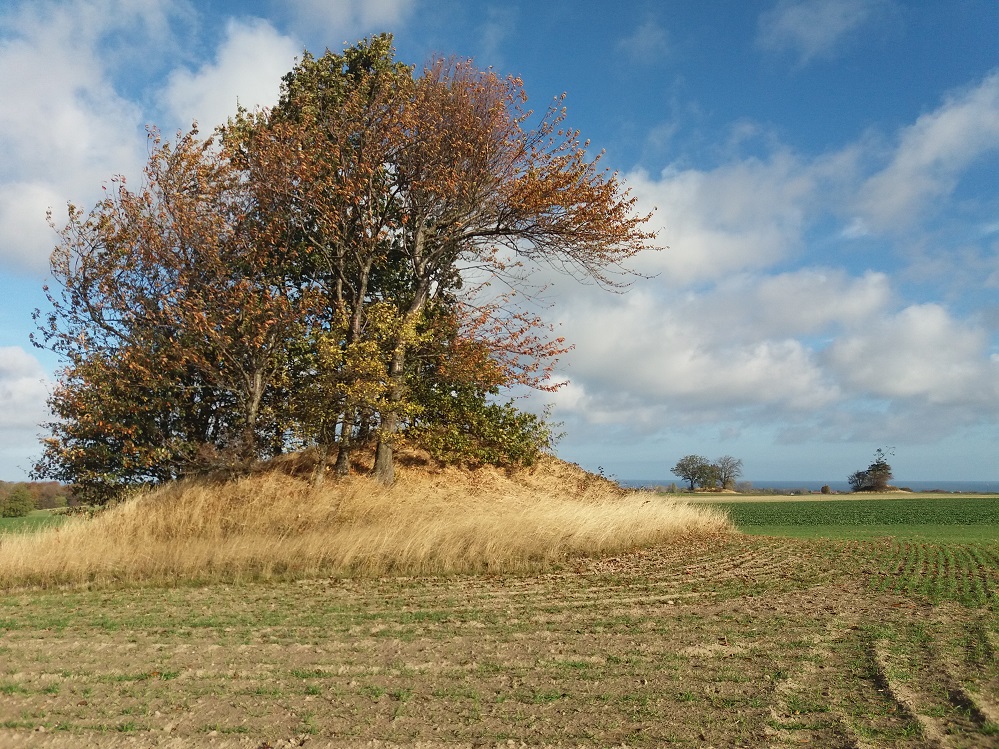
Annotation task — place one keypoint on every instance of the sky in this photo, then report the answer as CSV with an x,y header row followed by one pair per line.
x,y
823,175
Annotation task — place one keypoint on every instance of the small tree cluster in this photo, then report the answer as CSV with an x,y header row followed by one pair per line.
x,y
46,495
702,473
17,503
305,277
876,477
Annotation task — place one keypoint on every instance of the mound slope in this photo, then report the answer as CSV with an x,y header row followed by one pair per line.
x,y
275,524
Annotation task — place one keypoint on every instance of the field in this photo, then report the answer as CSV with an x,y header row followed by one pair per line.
x,y
707,641
917,517
35,520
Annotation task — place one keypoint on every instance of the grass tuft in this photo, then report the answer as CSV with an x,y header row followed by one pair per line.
x,y
273,525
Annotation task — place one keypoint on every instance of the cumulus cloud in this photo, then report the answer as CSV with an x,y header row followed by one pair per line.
x,y
812,28
24,388
742,215
931,156
340,20
654,350
921,353
247,70
807,302
723,333
66,128
823,354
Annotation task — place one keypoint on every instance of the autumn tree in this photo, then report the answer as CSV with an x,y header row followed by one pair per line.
x,y
476,185
305,276
334,132
172,324
454,377
401,183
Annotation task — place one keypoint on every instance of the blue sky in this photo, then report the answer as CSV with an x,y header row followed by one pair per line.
x,y
824,174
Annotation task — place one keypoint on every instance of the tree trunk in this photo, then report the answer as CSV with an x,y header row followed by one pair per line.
x,y
384,469
254,394
319,474
342,467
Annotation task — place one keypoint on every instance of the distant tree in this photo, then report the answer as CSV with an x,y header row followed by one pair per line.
x,y
710,477
692,468
729,469
879,472
858,480
17,504
877,475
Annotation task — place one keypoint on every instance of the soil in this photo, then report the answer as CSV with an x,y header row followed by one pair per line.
x,y
721,642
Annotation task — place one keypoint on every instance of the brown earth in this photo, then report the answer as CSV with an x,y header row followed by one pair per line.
x,y
711,643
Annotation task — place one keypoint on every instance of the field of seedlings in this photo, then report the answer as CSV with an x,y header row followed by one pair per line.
x,y
718,642
929,518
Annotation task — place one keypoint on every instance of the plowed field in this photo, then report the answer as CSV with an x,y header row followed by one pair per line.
x,y
736,641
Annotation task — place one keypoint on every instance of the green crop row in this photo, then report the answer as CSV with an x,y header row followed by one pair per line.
x,y
964,573
908,511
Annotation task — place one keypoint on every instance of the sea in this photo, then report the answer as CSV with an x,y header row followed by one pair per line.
x,y
973,487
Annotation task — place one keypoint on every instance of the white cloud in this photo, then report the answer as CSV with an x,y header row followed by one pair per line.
x,y
813,28
921,353
931,156
64,128
806,302
338,20
24,388
247,69
26,241
743,215
718,336
655,351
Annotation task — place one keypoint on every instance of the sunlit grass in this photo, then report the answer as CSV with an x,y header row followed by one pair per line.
x,y
432,520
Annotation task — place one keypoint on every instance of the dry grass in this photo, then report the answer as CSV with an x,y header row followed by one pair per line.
x,y
276,525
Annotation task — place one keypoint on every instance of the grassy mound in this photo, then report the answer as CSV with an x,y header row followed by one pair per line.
x,y
275,524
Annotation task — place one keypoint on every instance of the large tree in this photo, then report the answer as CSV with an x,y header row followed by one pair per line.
x,y
729,469
172,322
307,273
477,186
695,469
412,179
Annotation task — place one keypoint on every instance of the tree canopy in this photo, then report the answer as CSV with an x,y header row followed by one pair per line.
x,y
318,274
701,472
877,475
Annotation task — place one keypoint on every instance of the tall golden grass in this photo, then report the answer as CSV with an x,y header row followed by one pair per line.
x,y
274,525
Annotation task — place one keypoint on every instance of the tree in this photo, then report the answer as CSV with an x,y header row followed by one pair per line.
x,y
729,469
858,480
877,475
303,277
694,469
17,503
173,322
475,186
410,180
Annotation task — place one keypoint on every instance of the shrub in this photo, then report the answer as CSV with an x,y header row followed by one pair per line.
x,y
17,504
